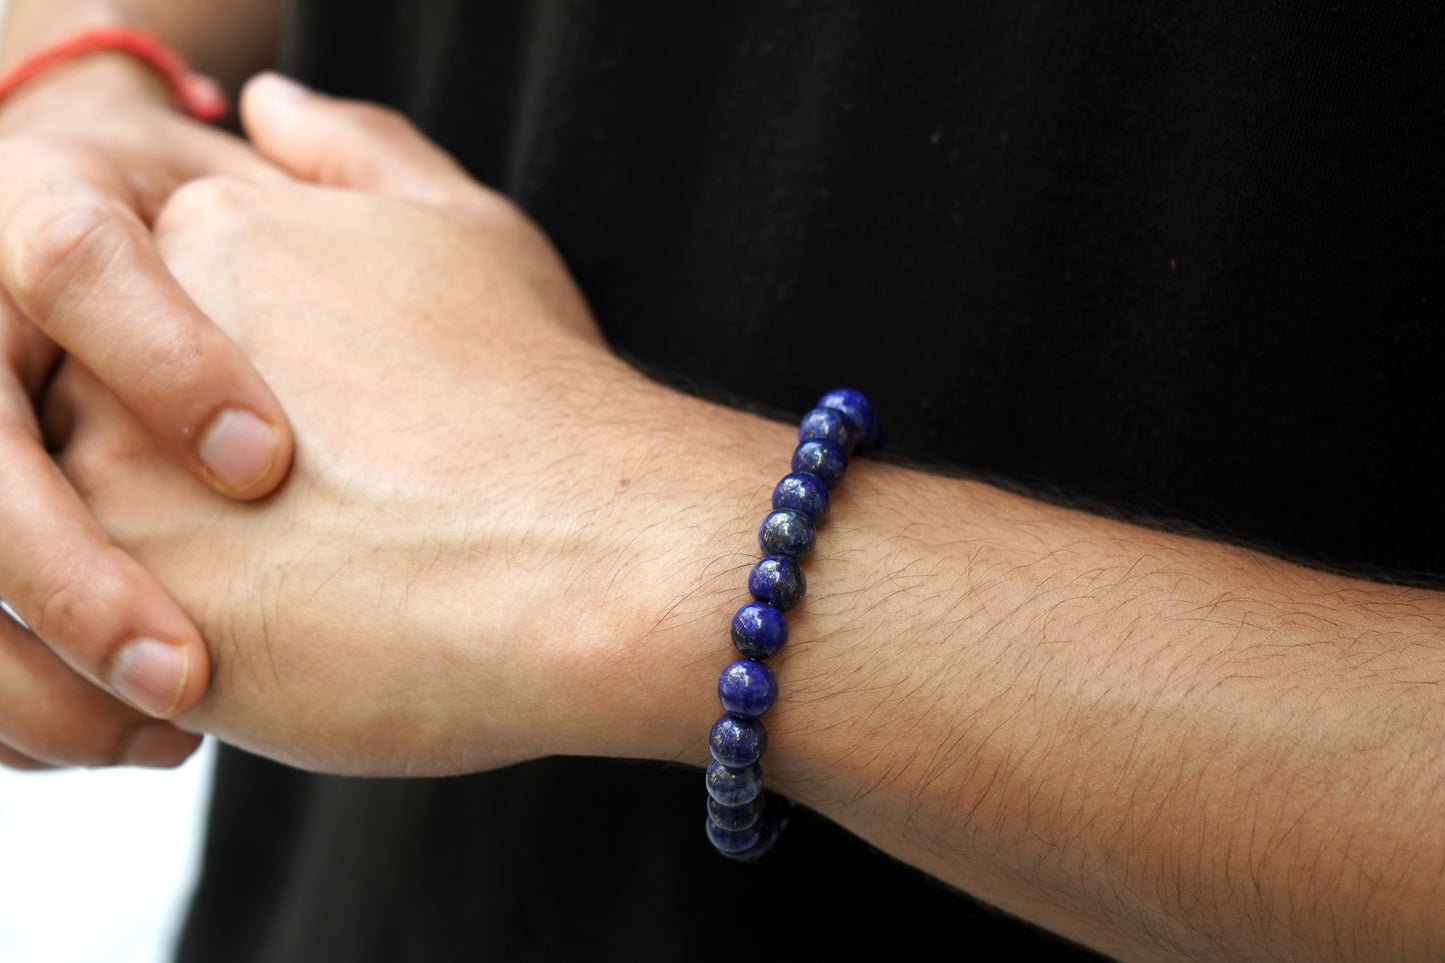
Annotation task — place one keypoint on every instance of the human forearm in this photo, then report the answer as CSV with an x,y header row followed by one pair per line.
x,y
1164,747
1161,746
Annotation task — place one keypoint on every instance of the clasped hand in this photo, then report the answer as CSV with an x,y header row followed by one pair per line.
x,y
89,153
447,578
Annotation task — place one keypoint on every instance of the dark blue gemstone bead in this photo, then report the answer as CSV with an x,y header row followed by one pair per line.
x,y
737,742
831,424
747,689
735,819
734,787
803,492
859,411
759,630
823,458
735,842
770,828
789,532
778,580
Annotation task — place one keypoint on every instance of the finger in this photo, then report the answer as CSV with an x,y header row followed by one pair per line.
x,y
11,759
205,152
83,268
344,143
24,351
53,717
93,605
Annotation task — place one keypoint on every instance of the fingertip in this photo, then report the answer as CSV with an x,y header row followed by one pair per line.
x,y
151,675
272,86
244,456
265,94
164,674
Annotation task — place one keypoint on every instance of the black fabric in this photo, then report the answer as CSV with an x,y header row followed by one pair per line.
x,y
1182,260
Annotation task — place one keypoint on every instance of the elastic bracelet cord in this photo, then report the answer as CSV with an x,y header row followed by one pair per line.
x,y
740,825
195,93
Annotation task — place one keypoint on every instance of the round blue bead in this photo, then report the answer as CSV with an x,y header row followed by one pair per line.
x,y
789,532
779,581
747,689
823,458
769,829
735,842
734,787
737,742
759,630
859,411
829,423
735,819
803,492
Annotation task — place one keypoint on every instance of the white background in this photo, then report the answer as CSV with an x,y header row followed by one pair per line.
x,y
95,866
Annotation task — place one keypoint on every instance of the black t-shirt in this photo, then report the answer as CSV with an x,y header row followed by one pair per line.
x,y
1183,261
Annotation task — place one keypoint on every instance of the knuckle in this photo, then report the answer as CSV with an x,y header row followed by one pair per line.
x,y
74,598
202,226
63,255
203,200
175,367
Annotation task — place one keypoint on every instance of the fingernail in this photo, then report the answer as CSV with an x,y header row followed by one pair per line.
x,y
159,745
282,86
150,675
238,449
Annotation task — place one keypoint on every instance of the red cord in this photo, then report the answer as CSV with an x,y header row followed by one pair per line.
x,y
196,94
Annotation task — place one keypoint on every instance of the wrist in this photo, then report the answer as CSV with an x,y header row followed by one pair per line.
x,y
642,585
228,41
99,82
120,52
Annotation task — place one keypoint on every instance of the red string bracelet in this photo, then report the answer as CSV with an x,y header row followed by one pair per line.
x,y
195,93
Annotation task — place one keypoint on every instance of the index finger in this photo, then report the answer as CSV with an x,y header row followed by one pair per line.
x,y
83,268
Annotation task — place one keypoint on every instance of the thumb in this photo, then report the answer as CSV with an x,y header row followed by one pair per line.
x,y
350,144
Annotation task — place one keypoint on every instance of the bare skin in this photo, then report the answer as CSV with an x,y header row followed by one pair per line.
x,y
1159,746
91,150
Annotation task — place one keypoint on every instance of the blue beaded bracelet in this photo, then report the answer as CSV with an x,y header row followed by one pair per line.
x,y
739,824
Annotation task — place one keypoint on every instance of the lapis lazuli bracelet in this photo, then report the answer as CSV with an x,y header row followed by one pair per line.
x,y
738,823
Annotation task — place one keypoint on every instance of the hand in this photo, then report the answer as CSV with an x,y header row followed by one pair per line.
x,y
448,579
90,153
